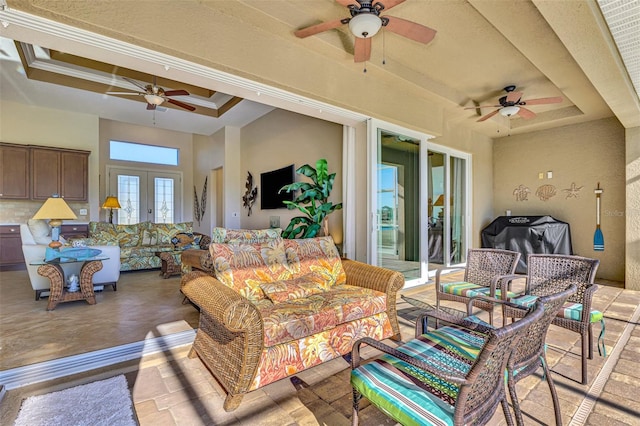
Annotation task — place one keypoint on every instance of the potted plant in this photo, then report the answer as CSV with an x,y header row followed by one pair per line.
x,y
313,201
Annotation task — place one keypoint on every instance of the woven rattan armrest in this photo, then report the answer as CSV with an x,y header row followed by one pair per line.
x,y
222,303
492,300
373,277
442,371
440,315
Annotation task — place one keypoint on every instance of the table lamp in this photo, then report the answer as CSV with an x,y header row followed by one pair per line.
x,y
111,203
56,210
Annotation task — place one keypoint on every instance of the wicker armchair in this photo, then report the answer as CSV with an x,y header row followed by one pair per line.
x,y
230,338
550,273
528,355
484,269
434,379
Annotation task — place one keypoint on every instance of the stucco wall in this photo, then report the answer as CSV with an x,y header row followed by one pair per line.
x,y
31,125
279,139
632,280
584,155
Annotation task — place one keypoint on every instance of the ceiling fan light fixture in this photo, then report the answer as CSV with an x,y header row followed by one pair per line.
x,y
509,111
154,99
365,25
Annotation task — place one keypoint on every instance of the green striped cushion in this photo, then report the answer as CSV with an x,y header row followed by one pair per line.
x,y
574,311
461,289
412,396
526,300
486,290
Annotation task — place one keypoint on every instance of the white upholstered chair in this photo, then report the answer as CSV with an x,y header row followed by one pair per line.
x,y
35,251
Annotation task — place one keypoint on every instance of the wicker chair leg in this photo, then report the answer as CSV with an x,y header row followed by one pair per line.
x,y
505,410
590,331
554,394
231,402
514,401
192,353
585,349
357,396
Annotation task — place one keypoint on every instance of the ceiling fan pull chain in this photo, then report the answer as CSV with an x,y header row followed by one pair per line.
x,y
384,61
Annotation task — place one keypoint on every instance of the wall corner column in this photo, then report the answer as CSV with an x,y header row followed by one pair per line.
x,y
632,214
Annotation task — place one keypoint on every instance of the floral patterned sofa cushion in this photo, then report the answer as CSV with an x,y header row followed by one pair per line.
x,y
243,267
306,316
315,255
224,235
295,288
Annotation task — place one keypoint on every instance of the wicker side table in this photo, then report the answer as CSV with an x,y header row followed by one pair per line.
x,y
57,292
169,266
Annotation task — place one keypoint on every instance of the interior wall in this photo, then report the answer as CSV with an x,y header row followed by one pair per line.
x,y
279,139
581,154
31,125
208,155
115,130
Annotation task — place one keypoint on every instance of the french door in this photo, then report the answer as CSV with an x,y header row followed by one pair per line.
x,y
146,195
412,226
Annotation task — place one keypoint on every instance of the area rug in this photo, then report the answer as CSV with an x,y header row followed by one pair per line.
x,y
105,402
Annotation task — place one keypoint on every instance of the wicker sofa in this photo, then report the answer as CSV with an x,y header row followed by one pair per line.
x,y
281,306
141,243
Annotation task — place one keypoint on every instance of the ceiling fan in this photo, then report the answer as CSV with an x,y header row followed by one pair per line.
x,y
366,21
156,95
513,104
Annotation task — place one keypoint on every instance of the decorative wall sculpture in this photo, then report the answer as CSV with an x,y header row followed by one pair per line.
x,y
545,192
251,194
199,207
522,193
573,192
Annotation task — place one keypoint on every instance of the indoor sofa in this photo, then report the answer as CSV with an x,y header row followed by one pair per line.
x,y
141,243
275,308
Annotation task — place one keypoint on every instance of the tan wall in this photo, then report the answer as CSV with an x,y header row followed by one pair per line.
x,y
279,139
583,154
208,156
31,125
632,277
115,130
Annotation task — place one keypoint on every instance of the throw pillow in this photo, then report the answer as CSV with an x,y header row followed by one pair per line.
x,y
224,235
315,255
243,267
149,238
296,288
40,230
184,240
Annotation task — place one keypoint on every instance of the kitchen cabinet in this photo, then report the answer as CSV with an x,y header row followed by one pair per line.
x,y
10,245
14,172
57,171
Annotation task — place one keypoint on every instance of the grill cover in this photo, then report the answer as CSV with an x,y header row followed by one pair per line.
x,y
528,235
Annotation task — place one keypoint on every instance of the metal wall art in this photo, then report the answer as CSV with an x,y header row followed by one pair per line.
x,y
574,191
251,194
545,192
522,193
199,207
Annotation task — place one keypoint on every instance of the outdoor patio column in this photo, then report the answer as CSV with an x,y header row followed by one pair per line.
x,y
632,257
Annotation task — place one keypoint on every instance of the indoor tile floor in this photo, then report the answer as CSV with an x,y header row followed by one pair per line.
x,y
172,389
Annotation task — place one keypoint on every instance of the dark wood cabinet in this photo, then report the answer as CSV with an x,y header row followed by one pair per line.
x,y
62,172
10,245
78,230
14,172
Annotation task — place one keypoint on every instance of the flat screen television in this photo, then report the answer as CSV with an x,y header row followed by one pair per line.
x,y
270,184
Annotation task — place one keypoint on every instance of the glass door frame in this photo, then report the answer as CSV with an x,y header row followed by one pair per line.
x,y
373,125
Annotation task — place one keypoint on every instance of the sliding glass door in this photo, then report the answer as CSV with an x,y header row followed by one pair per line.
x,y
414,229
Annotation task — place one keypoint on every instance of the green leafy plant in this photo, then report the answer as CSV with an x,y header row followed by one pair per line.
x,y
313,201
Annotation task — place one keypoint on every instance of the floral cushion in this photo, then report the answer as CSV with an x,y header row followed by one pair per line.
x,y
166,231
186,240
103,231
149,237
129,235
298,318
296,288
315,255
243,267
224,235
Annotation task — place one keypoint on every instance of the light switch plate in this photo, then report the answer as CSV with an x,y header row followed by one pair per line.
x,y
83,212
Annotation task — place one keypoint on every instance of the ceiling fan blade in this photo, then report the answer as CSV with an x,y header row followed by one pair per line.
x,y
484,106
486,117
388,4
176,93
125,93
526,113
151,106
181,104
347,3
135,83
411,30
514,96
325,26
540,101
362,49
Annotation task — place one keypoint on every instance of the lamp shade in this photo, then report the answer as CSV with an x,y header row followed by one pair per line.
x,y
439,201
55,208
509,111
365,25
111,203
154,99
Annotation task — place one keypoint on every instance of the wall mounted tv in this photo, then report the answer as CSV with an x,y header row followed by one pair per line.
x,y
270,184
